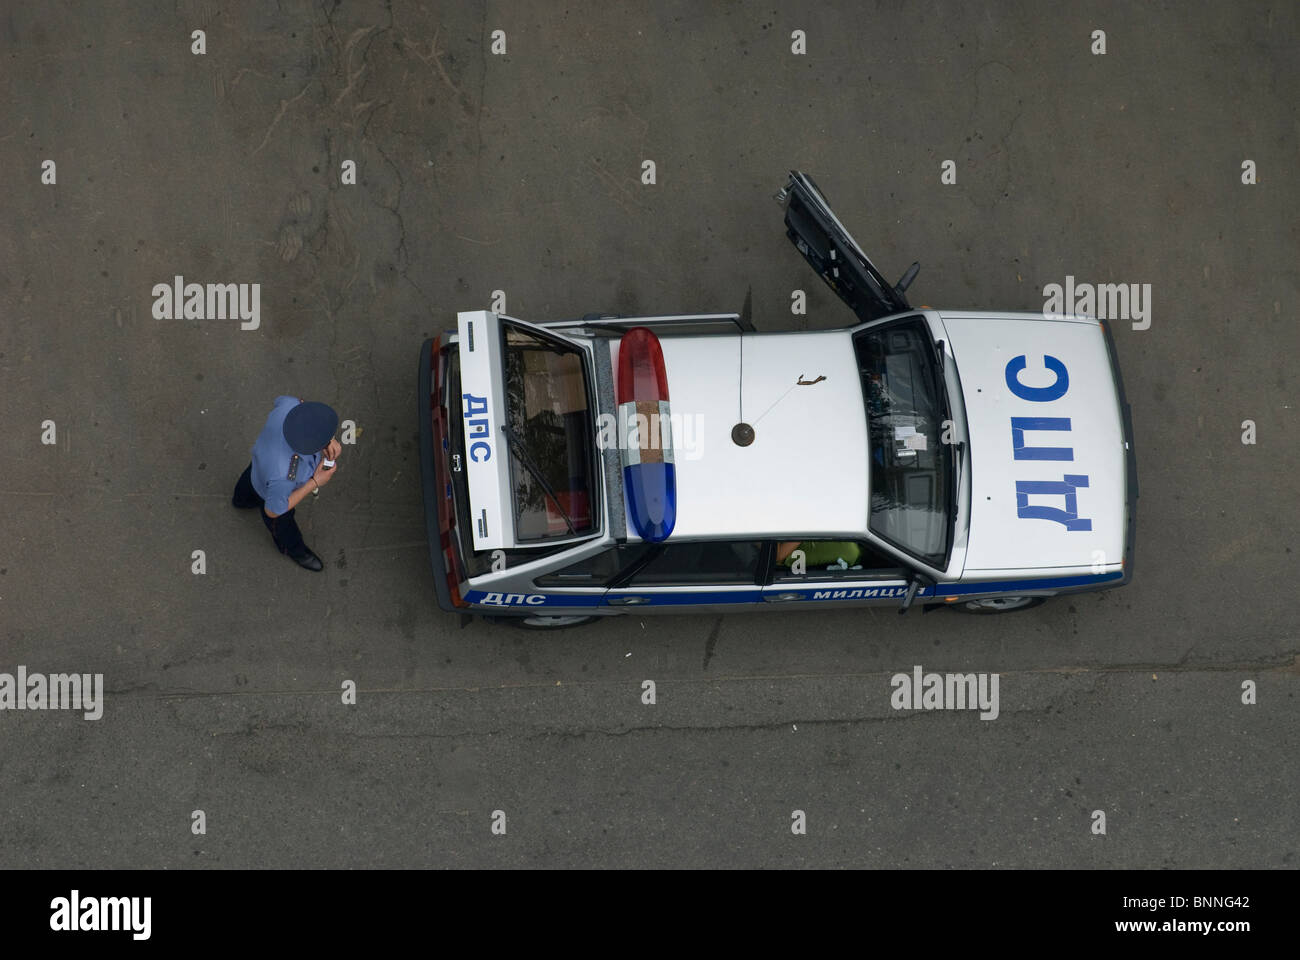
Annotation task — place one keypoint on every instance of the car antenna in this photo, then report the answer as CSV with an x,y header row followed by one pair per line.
x,y
742,434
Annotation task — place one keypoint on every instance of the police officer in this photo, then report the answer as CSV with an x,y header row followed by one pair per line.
x,y
286,467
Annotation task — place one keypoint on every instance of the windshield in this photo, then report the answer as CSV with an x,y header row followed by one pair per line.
x,y
911,468
551,436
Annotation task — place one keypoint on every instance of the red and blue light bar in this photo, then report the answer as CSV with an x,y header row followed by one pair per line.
x,y
646,438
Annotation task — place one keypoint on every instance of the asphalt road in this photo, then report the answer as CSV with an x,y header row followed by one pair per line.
x,y
522,173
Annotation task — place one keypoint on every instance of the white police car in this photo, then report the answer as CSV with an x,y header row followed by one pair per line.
x,y
976,459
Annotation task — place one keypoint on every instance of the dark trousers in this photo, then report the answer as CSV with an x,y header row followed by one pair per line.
x,y
284,528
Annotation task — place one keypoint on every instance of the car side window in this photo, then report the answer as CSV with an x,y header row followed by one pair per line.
x,y
700,562
821,559
595,570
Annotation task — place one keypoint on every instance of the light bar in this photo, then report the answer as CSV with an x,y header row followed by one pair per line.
x,y
645,435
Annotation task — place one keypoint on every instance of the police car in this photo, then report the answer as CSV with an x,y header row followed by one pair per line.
x,y
975,460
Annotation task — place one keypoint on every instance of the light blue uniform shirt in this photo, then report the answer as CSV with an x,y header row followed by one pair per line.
x,y
271,457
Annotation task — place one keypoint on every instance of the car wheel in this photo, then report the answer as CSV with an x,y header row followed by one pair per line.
x,y
999,604
541,622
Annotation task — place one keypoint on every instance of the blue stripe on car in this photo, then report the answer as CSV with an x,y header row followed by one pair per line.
x,y
519,601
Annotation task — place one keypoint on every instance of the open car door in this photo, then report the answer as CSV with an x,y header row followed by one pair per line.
x,y
529,450
821,238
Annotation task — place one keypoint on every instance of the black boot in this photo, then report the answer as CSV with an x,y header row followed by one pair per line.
x,y
309,561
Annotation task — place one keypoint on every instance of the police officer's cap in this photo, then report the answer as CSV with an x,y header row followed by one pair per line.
x,y
309,426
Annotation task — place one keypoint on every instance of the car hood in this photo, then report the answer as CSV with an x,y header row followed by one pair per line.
x,y
1031,454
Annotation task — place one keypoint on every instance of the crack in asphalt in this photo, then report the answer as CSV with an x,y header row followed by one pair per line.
x,y
712,641
1286,663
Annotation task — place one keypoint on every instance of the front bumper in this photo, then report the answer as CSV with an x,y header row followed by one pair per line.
x,y
1130,458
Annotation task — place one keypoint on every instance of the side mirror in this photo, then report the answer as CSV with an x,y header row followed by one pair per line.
x,y
901,287
918,581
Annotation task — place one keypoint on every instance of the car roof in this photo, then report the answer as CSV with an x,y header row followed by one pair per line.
x,y
806,472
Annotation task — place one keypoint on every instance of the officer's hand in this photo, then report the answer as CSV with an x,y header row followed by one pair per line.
x,y
333,450
323,474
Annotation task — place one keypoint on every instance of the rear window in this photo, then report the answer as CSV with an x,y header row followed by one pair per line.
x,y
551,437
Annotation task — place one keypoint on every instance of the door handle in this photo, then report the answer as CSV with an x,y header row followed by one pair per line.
x,y
627,601
781,597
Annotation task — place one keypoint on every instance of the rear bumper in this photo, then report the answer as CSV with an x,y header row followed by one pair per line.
x,y
436,503
1130,458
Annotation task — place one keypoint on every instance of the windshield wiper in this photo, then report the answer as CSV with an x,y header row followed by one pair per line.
x,y
942,377
521,452
958,446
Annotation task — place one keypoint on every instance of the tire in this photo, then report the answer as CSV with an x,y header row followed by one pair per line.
x,y
542,622
996,605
